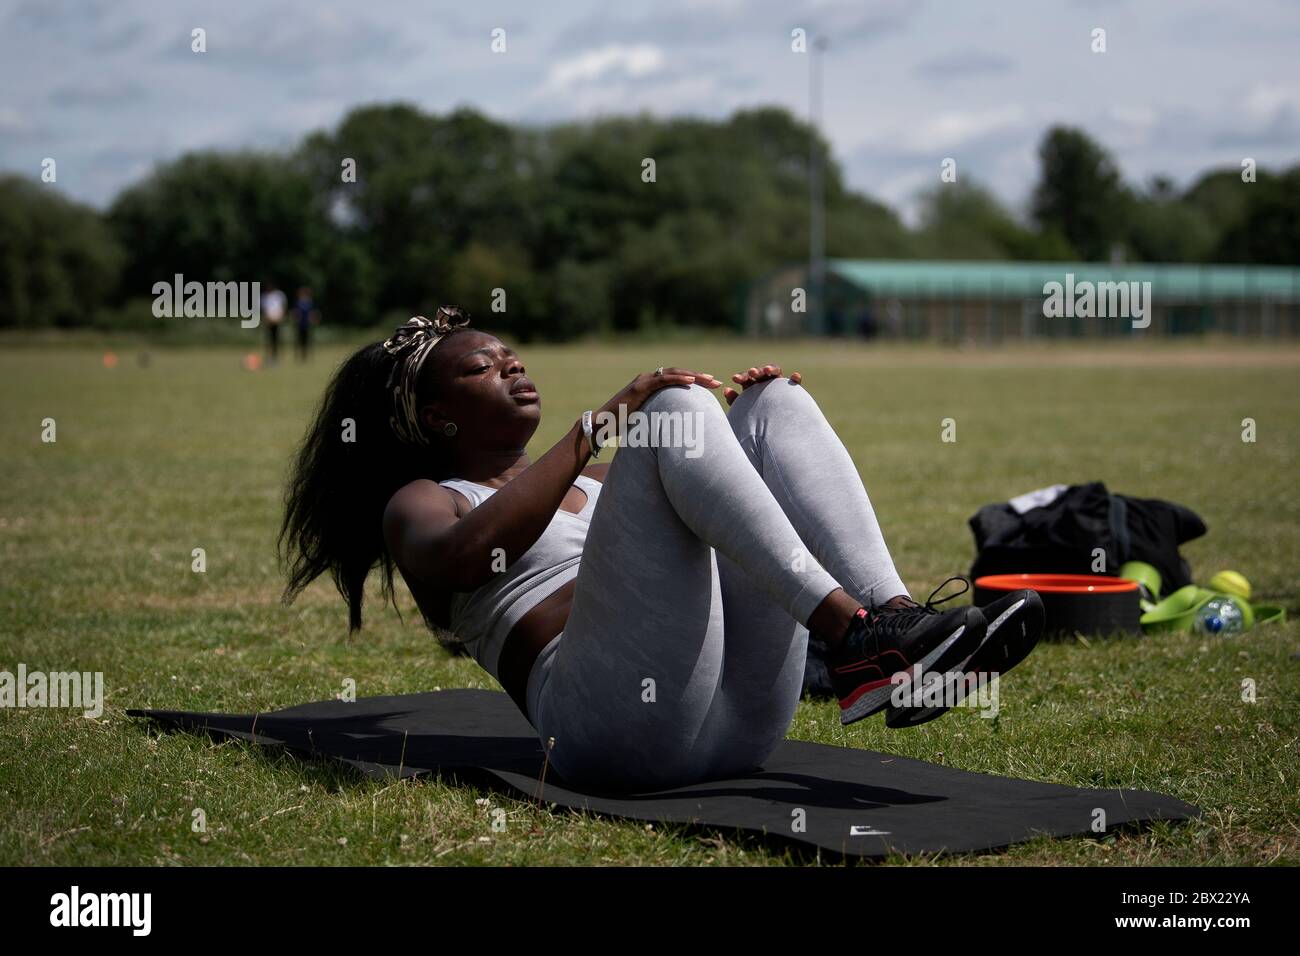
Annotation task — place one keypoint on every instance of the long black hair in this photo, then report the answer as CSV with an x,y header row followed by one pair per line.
x,y
338,488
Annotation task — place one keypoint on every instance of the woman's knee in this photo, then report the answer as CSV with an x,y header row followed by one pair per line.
x,y
681,417
773,398
674,397
772,391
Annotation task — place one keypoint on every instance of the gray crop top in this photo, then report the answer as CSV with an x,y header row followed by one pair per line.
x,y
484,617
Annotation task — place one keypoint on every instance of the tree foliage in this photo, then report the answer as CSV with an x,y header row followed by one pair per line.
x,y
59,262
573,228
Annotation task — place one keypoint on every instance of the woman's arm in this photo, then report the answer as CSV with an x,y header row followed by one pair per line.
x,y
430,542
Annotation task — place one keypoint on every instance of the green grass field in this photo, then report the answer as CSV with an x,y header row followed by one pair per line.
x,y
96,533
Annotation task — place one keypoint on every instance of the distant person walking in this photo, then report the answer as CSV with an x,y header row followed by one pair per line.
x,y
307,315
274,304
868,327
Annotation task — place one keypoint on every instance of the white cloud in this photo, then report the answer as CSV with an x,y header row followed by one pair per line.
x,y
951,129
12,122
1265,101
633,61
1137,116
685,94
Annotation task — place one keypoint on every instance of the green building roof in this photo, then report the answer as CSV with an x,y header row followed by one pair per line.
x,y
994,279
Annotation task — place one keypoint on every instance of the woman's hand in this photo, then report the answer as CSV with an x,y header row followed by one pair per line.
x,y
643,386
754,376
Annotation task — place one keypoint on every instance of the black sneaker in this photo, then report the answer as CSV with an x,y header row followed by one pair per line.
x,y
1015,623
888,641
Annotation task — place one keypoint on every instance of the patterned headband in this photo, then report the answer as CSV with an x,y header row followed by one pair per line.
x,y
412,343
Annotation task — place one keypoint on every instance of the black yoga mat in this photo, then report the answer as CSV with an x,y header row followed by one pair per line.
x,y
854,802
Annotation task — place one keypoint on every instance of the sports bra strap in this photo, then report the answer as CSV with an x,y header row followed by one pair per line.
x,y
477,493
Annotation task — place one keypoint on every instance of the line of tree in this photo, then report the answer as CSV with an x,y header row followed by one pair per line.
x,y
569,221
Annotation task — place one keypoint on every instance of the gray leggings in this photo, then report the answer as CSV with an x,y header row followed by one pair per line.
x,y
683,655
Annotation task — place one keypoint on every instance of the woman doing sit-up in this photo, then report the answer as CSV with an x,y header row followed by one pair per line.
x,y
649,616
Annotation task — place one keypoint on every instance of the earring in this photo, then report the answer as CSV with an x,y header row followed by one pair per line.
x,y
449,429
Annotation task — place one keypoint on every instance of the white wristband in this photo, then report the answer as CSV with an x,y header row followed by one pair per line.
x,y
591,438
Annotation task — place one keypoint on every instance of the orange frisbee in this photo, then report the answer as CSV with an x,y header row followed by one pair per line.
x,y
1057,583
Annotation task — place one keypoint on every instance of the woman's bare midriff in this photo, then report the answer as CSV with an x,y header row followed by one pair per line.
x,y
531,633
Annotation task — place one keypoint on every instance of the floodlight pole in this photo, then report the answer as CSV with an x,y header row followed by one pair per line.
x,y
816,194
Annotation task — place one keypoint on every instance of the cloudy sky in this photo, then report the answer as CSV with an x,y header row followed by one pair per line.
x,y
107,87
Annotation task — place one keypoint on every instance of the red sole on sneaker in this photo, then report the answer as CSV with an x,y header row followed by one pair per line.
x,y
866,700
874,696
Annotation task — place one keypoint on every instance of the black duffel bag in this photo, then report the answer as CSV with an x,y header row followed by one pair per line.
x,y
1056,530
